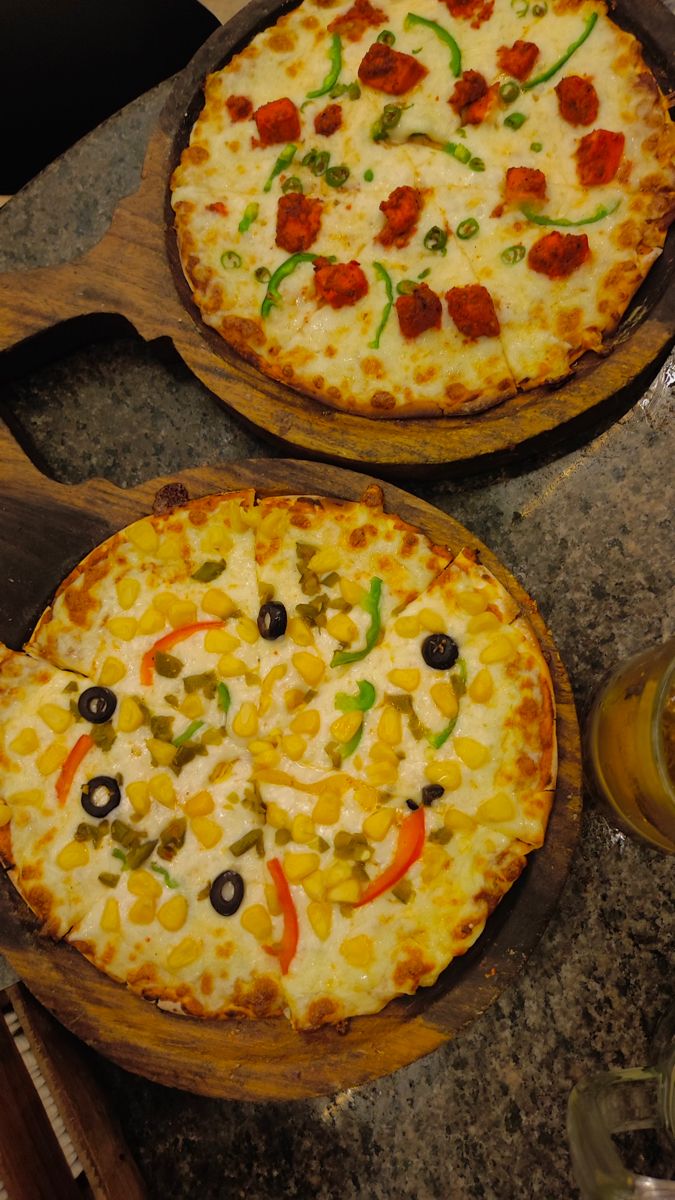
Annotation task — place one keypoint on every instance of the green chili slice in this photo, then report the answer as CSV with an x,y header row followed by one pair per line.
x,y
389,118
443,35
509,91
461,153
515,120
250,215
336,176
335,58
230,260
387,37
436,240
542,78
467,229
406,287
209,570
513,254
371,605
187,734
320,162
364,699
476,164
389,289
292,184
284,160
541,218
520,7
423,274
262,274
539,10
369,175
286,268
536,146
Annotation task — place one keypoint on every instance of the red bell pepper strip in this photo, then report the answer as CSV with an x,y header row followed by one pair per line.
x,y
67,772
167,642
408,849
286,948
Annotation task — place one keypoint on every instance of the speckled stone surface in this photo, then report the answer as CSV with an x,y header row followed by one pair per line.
x,y
588,531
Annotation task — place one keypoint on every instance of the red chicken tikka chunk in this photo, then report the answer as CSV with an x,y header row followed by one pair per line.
x,y
418,311
298,221
277,121
389,70
339,284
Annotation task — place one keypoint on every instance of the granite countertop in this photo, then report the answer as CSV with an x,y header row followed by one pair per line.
x,y
588,531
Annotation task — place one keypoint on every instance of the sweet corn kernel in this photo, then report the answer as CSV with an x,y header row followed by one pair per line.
x,y
471,752
293,698
302,829
320,916
162,753
163,602
486,622
407,627
276,816
162,790
127,592
130,715
110,917
366,796
217,603
247,629
207,832
256,920
143,535
497,808
347,892
472,602
433,861
216,539
481,687
151,621
123,628
405,678
229,666
457,821
266,755
25,742
73,854
170,546
342,628
327,809
299,864
199,805
143,883
308,722
272,900
377,824
390,728
219,641
344,728
500,649
324,560
57,718
245,724
445,699
173,914
310,668
184,954
273,522
352,592
448,773
5,814
314,885
267,687
381,773
381,752
192,706
294,746
142,911
337,872
112,671
336,784
358,951
300,632
183,612
30,798
431,620
52,758
221,770
138,794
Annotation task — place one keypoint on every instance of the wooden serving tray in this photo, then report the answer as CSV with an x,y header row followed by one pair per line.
x,y
134,271
45,528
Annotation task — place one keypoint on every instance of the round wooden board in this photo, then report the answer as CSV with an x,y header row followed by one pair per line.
x,y
46,528
134,271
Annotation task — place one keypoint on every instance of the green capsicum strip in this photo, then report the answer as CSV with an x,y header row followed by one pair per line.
x,y
349,747
359,703
371,605
284,160
224,697
443,35
439,739
551,71
389,288
250,215
286,268
172,883
541,219
187,733
333,75
458,680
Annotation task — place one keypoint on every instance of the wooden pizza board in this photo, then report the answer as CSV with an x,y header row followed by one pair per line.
x,y
45,529
134,271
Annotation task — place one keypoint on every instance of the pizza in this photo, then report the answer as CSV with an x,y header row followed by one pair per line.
x,y
414,208
274,755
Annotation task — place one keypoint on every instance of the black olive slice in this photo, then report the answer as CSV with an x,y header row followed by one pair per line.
x,y
100,795
412,805
227,893
97,704
431,792
272,620
440,651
